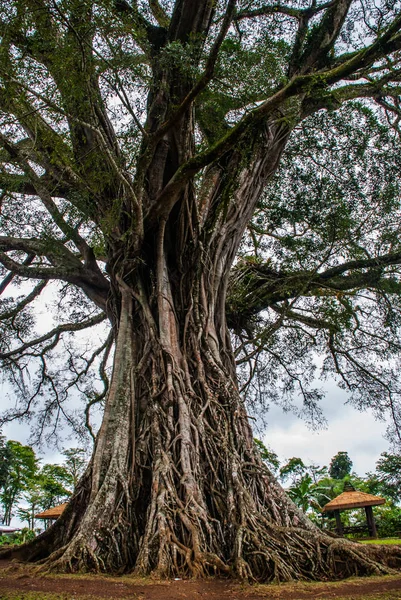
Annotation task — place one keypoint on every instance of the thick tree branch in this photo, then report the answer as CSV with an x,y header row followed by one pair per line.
x,y
308,320
323,39
54,250
256,287
66,266
103,152
190,18
10,314
159,13
387,43
148,37
8,279
13,183
375,263
204,79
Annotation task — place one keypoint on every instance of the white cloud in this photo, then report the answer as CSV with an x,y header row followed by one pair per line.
x,y
357,433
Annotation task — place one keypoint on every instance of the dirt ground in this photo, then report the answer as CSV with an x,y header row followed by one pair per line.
x,y
17,581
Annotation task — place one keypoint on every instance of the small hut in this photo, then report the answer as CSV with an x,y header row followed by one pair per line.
x,y
352,498
51,514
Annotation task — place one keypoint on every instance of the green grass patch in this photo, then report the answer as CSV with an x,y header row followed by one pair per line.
x,y
384,542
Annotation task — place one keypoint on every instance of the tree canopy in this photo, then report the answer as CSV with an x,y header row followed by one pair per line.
x,y
387,477
319,267
340,465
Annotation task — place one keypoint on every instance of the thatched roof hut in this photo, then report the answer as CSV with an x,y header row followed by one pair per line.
x,y
352,498
52,513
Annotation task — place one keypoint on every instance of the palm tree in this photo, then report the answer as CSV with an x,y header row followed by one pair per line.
x,y
306,494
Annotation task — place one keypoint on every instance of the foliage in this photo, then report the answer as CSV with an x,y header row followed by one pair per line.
x,y
23,466
294,468
388,475
32,502
55,483
340,465
47,489
306,494
23,536
268,456
388,520
19,537
5,540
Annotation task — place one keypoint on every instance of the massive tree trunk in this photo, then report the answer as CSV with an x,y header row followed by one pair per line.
x,y
176,486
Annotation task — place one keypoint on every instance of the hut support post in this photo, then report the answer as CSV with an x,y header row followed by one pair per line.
x,y
371,522
339,525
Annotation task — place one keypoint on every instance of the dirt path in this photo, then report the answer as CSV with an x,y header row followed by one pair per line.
x,y
16,580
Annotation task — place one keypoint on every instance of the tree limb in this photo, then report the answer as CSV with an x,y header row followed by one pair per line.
x,y
204,79
256,287
66,267
55,333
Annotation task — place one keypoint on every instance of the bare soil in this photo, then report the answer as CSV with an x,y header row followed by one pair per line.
x,y
20,581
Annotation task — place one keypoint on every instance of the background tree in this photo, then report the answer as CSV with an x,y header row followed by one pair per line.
x,y
340,465
55,484
149,145
73,467
294,469
386,479
23,466
32,499
50,486
268,456
29,488
309,495
4,461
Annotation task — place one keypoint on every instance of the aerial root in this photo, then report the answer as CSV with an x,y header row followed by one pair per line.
x,y
281,554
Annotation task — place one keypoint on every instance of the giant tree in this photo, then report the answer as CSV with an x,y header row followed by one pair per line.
x,y
141,142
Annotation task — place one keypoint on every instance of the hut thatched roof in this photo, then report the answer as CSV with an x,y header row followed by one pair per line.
x,y
52,513
353,499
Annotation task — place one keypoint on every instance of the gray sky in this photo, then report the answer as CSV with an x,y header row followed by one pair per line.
x,y
349,430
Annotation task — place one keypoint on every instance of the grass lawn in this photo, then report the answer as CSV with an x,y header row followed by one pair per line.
x,y
383,542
